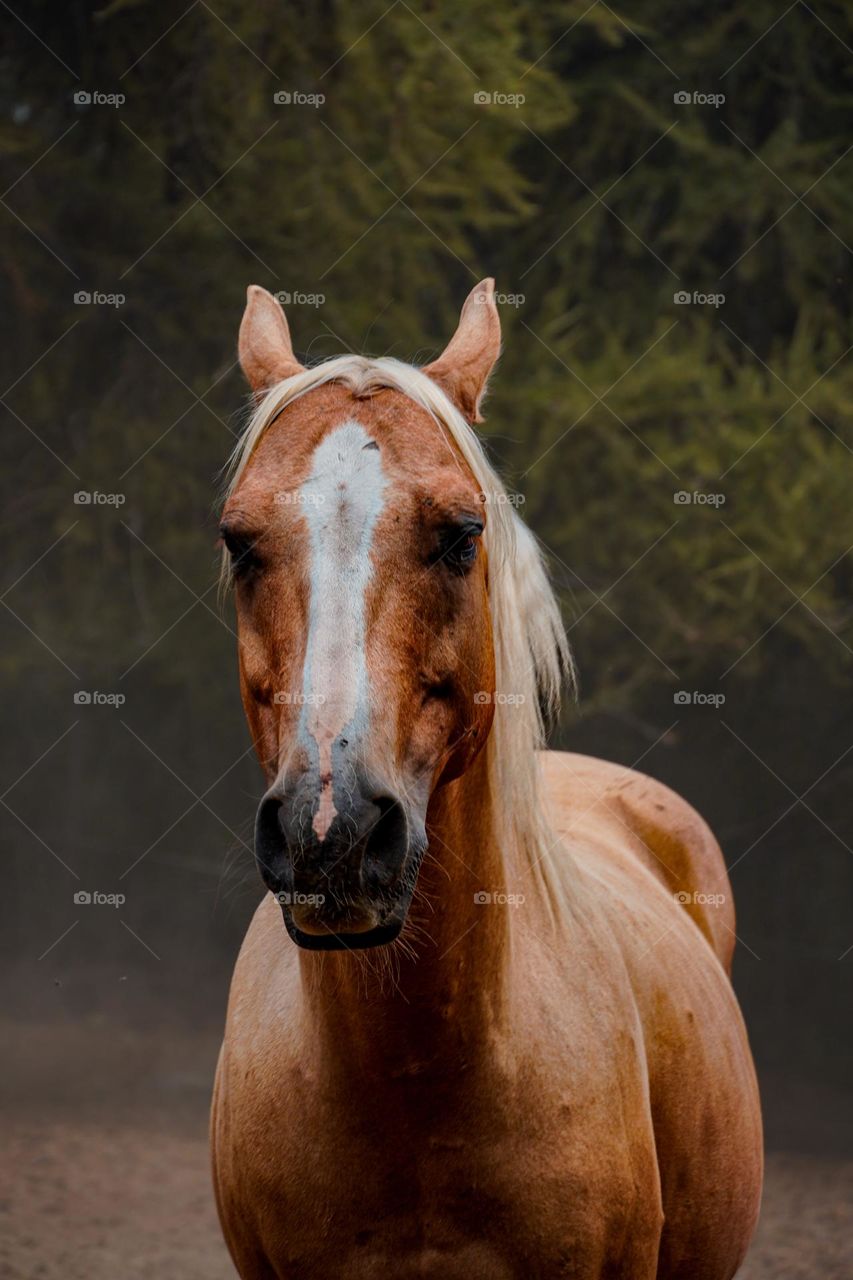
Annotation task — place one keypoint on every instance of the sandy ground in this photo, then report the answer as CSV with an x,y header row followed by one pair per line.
x,y
107,1177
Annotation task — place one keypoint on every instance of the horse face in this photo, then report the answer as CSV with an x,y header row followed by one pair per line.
x,y
366,662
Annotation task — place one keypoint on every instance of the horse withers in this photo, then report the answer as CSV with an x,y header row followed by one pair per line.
x,y
505,1043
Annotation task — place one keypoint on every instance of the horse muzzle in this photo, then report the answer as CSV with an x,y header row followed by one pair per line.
x,y
345,883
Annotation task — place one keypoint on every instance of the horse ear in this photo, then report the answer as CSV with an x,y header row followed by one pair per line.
x,y
463,368
265,349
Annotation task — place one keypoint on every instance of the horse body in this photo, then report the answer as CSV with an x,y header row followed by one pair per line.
x,y
585,1108
504,1047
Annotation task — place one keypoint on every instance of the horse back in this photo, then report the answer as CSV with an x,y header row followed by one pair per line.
x,y
595,800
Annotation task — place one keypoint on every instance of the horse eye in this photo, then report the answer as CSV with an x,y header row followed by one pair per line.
x,y
466,552
241,548
459,546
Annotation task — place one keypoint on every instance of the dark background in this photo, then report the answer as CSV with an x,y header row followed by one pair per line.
x,y
593,202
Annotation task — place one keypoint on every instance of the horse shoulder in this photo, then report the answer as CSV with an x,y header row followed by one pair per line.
x,y
596,799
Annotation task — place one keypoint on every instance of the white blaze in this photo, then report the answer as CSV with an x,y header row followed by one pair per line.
x,y
341,501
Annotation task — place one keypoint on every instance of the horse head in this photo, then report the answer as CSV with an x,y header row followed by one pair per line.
x,y
357,536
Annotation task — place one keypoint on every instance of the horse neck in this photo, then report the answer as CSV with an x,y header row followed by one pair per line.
x,y
444,987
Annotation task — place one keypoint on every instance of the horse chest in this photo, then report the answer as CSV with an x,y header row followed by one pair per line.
x,y
406,1186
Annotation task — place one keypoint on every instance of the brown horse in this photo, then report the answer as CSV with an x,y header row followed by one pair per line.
x,y
506,1044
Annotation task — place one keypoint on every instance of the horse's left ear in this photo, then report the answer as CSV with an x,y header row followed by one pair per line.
x,y
462,370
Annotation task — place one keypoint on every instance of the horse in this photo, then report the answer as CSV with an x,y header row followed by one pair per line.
x,y
505,1043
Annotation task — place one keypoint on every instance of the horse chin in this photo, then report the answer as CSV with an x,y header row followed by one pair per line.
x,y
376,925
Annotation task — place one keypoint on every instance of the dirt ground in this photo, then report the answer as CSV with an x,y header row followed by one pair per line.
x,y
106,1174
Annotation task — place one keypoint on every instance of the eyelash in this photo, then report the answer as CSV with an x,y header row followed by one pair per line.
x,y
242,553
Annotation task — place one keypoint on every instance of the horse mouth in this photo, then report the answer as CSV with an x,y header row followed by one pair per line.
x,y
343,939
318,924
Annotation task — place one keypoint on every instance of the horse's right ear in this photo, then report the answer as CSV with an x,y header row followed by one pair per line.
x,y
265,349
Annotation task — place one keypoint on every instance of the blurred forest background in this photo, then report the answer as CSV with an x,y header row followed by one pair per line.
x,y
346,156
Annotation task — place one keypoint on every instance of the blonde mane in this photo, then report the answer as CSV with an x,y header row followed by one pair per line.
x,y
531,650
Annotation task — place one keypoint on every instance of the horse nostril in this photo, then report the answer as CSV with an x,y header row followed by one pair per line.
x,y
271,842
386,843
280,819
